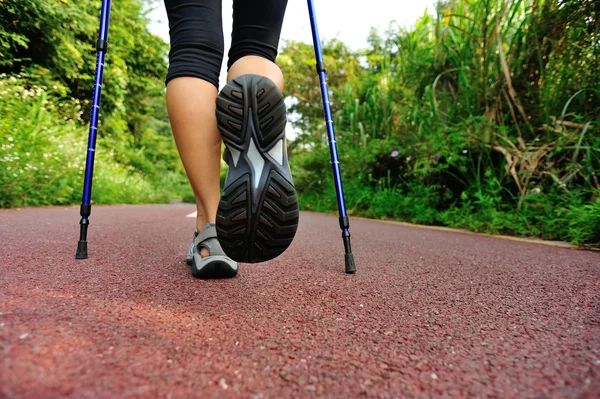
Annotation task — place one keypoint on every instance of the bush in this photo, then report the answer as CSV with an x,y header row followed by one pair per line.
x,y
43,150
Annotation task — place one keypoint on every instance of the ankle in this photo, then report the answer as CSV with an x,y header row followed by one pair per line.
x,y
200,227
203,217
202,221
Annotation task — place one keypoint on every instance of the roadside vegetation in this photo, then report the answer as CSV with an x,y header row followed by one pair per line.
x,y
483,115
47,65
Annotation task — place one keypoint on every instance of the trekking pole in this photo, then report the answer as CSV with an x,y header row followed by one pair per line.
x,y
337,175
86,205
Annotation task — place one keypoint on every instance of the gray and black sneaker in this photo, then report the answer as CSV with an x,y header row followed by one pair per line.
x,y
258,213
216,264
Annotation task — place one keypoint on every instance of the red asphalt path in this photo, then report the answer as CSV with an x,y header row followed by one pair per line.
x,y
429,313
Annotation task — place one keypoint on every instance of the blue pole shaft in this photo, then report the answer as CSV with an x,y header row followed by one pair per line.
x,y
91,149
337,174
335,163
86,201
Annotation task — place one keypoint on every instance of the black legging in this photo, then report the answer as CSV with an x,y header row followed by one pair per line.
x,y
196,31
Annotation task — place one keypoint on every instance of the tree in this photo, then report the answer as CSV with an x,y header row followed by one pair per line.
x,y
297,60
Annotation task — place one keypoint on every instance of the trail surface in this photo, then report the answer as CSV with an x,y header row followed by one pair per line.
x,y
429,313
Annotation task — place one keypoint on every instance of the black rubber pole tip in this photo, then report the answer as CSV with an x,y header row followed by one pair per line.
x,y
81,250
350,265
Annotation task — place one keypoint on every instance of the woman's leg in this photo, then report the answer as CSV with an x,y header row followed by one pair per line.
x,y
191,106
255,38
194,66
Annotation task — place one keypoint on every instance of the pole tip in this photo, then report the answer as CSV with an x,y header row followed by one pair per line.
x,y
81,250
350,265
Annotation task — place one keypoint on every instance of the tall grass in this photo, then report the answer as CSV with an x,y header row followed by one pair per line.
x,y
485,116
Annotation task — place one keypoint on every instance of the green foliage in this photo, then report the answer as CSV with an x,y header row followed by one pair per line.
x,y
54,43
42,155
485,116
51,44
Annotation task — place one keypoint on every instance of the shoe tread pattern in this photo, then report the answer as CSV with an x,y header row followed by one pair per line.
x,y
246,236
264,98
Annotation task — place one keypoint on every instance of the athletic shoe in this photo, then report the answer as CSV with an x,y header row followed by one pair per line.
x,y
216,264
258,213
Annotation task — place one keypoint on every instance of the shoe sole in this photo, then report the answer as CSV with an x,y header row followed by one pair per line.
x,y
257,217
